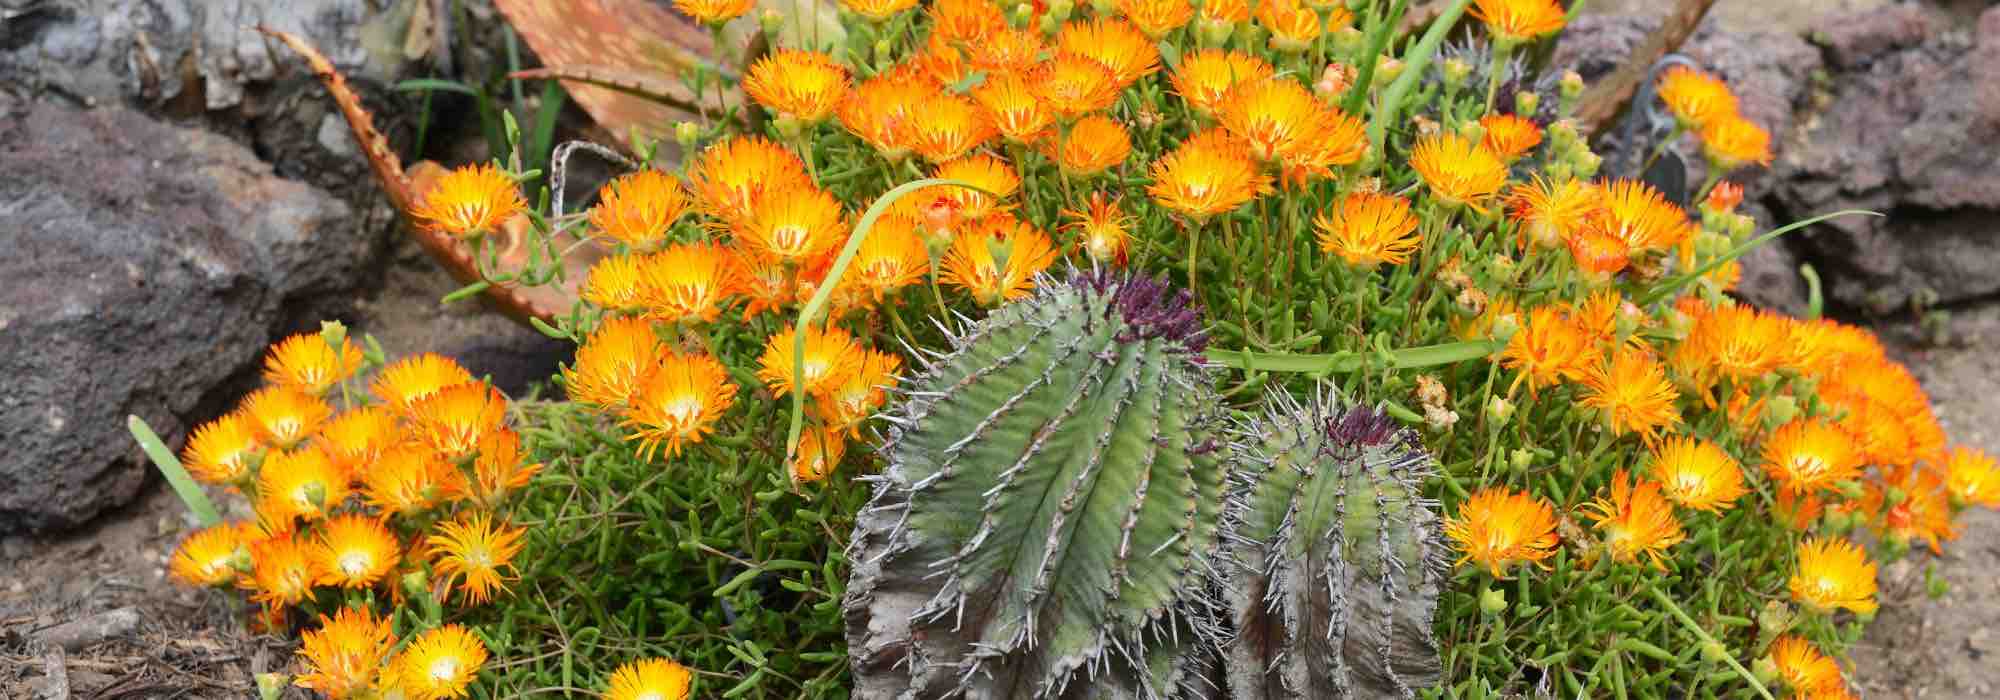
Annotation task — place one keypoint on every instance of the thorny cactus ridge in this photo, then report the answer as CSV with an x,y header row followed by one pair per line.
x,y
1051,498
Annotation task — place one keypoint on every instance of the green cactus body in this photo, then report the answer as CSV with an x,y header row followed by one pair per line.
x,y
1334,560
1048,509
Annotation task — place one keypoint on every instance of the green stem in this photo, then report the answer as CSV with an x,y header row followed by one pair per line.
x,y
1702,634
1500,51
177,476
1414,63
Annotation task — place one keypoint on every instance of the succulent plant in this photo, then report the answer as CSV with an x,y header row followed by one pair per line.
x,y
1044,523
1332,558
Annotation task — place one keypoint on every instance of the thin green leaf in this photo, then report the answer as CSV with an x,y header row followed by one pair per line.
x,y
1671,286
466,292
177,476
1406,358
1414,63
435,85
833,277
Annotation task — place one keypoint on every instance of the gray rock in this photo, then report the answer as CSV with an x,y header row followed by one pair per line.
x,y
1910,131
147,267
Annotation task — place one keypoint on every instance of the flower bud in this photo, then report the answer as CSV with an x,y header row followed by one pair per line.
x,y
1499,411
1492,602
1048,25
1562,135
1526,102
1104,8
1213,33
788,127
1021,14
1850,489
1334,81
771,21
1455,71
1776,618
1715,652
1765,670
1571,85
1061,9
1505,326
271,686
1587,164
1837,521
1742,227
333,332
1347,41
687,134
1520,459
885,52
1387,70
1780,410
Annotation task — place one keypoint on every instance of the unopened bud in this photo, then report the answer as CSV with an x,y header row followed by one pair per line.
x,y
1715,652
1499,411
1048,25
1334,81
687,134
1213,33
1571,85
1587,164
1021,14
1742,227
416,584
1520,459
1387,70
1850,489
1455,70
271,686
333,332
1562,135
1347,41
1505,326
788,127
771,21
885,52
1492,602
1765,670
1104,8
1526,102
1780,410
1061,9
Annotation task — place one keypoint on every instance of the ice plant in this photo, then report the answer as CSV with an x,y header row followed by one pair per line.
x,y
354,551
1636,521
474,551
302,483
1632,394
441,663
1092,145
831,356
649,679
1368,229
613,363
1695,98
678,403
344,656
1101,231
1548,349
453,420
222,451
1509,136
1833,573
1204,78
731,178
283,572
857,398
639,209
470,202
1210,174
404,382
284,416
1971,477
1515,21
686,283
1730,142
407,480
1497,529
1457,170
309,363
1803,668
997,261
1548,212
819,450
793,226
801,85
212,556
1808,455
1697,474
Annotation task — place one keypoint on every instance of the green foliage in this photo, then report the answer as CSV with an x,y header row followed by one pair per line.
x,y
711,561
1051,497
1335,562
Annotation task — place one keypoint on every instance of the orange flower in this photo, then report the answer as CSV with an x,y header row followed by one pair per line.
x,y
794,226
1919,508
1809,455
994,179
308,363
1101,230
1834,573
1698,474
1157,17
1113,43
1204,78
997,260
498,472
950,127
405,382
1970,477
473,550
679,403
966,21
1642,217
283,416
302,483
820,451
616,283
1636,520
1284,124
650,679
1723,197
1799,512
942,64
686,283
1497,529
407,480
1695,98
1547,213
803,85
1222,12
211,556
1208,174
469,202
354,551
221,451
638,209
453,420
1597,252
1803,668
884,111
762,283
1632,394
1007,51
1731,142
344,654
1548,349
1094,144
1293,26
892,257
1010,105
1735,341
714,12
831,356
355,438
442,662
1515,21
1369,228
282,573
1073,85
858,396
1457,170
1597,317
1509,136
613,363
731,178
877,10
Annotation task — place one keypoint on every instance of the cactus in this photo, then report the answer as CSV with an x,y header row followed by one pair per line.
x,y
1333,559
1048,507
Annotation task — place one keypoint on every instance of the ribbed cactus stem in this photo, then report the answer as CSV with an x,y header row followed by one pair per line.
x,y
1334,558
1050,499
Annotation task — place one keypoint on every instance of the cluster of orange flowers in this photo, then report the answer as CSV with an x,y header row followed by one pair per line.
x,y
1702,104
399,489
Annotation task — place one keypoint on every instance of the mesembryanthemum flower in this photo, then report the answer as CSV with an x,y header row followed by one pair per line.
x,y
1497,528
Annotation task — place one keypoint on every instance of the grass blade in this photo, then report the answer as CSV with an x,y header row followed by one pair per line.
x,y
177,476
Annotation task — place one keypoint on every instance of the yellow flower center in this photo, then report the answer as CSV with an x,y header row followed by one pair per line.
x,y
356,562
444,670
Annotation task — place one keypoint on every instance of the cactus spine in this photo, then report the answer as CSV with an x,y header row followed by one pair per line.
x,y
1051,498
1334,560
